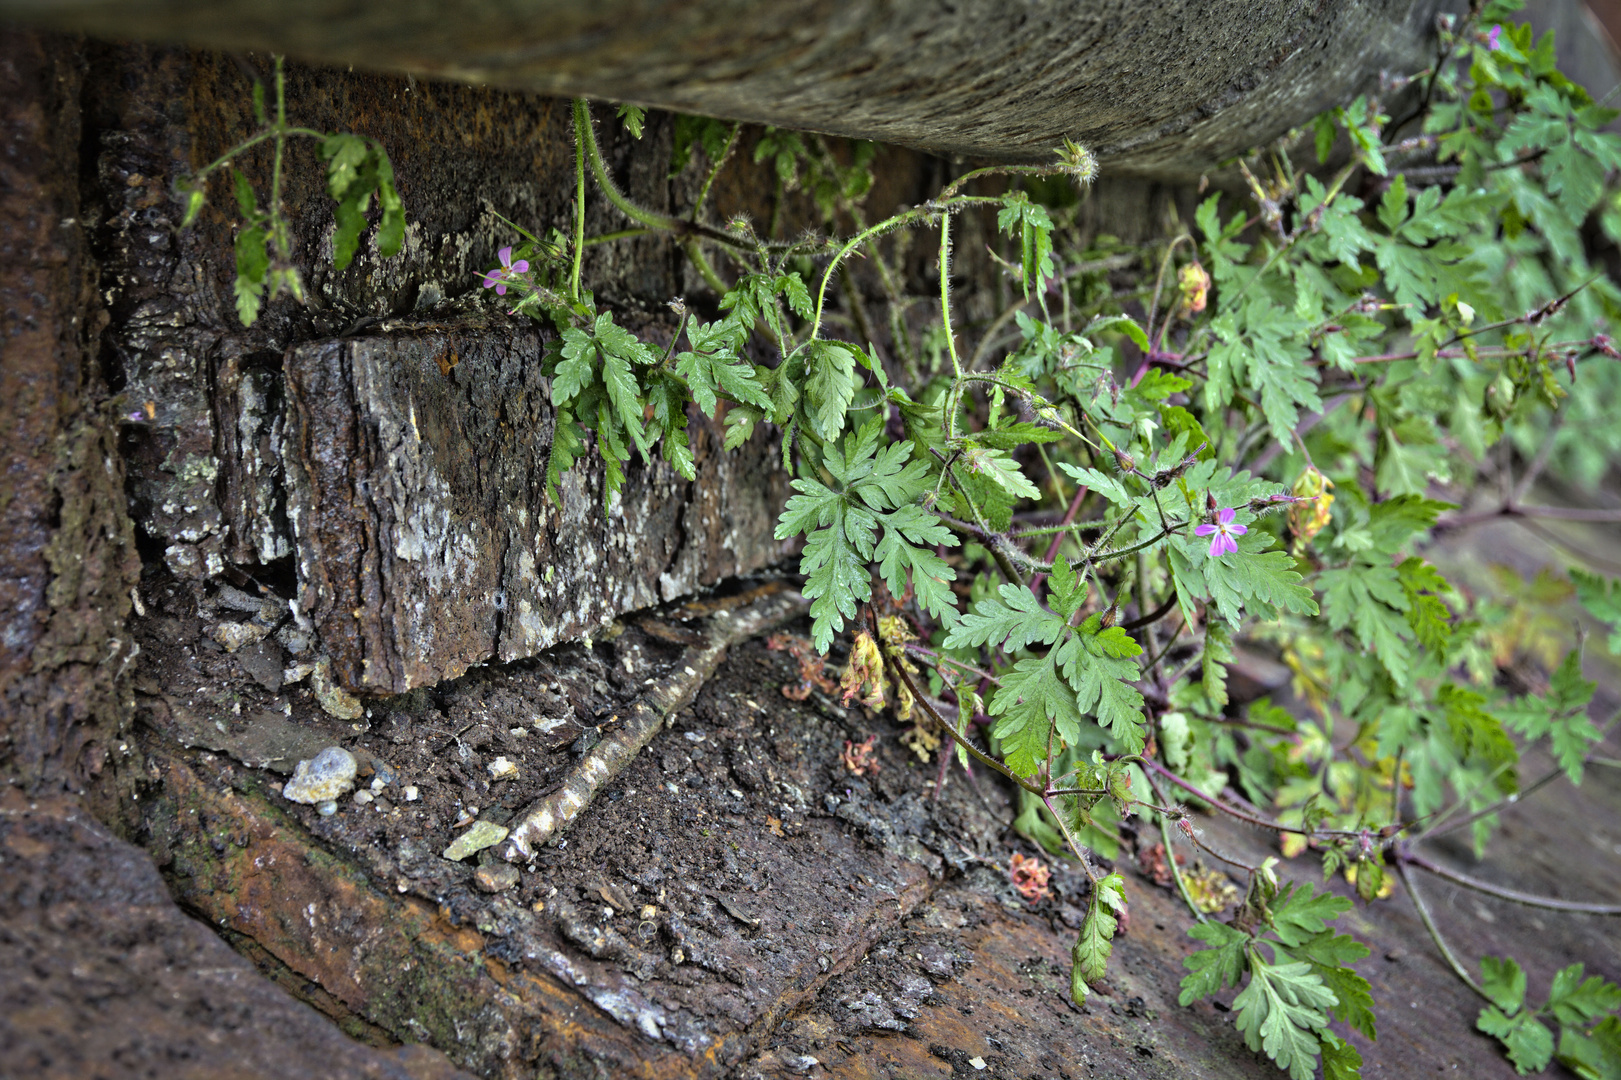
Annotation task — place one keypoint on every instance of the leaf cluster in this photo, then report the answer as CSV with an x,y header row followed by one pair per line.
x,y
1300,976
1585,1011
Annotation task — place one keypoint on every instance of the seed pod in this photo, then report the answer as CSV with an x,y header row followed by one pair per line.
x,y
1194,282
1306,519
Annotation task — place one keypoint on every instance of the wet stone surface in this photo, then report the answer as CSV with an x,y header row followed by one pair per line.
x,y
105,977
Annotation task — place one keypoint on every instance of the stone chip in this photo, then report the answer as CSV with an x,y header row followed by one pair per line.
x,y
329,774
479,835
497,877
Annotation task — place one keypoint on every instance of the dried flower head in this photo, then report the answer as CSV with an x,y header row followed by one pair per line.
x,y
1194,282
1030,877
1306,519
858,757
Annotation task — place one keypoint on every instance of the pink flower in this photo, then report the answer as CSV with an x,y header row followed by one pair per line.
x,y
1492,41
508,271
1223,530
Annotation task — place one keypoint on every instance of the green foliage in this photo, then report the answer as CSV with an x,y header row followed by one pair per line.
x,y
1280,1011
1602,599
634,117
1090,955
1560,716
357,168
1419,333
1284,1008
871,489
1093,519
1584,1010
1029,223
1088,670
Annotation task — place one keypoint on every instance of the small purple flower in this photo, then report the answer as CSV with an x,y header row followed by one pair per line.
x,y
1223,530
509,271
1492,41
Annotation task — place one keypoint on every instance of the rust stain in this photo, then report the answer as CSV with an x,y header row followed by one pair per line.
x,y
396,961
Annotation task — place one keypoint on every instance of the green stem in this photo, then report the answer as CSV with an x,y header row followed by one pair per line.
x,y
973,750
887,225
709,181
248,144
579,200
945,311
1069,838
958,184
1435,934
901,220
585,133
608,238
706,270
278,227
1170,858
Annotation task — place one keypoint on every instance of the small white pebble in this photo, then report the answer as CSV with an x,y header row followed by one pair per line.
x,y
518,732
327,807
978,1063
377,784
412,794
502,769
364,797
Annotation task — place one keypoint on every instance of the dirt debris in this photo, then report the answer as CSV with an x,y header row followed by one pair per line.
x,y
735,903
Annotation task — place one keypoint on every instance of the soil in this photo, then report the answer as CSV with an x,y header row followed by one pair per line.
x,y
736,902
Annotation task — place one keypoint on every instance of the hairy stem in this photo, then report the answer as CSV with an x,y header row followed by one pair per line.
x,y
1502,893
1435,934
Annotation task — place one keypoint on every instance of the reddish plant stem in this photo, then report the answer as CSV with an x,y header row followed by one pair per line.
x,y
1230,811
1058,537
1502,893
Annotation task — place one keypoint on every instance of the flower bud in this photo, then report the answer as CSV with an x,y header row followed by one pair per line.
x,y
1307,518
1194,282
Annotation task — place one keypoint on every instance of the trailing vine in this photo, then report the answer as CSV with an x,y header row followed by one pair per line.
x,y
357,168
1048,547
